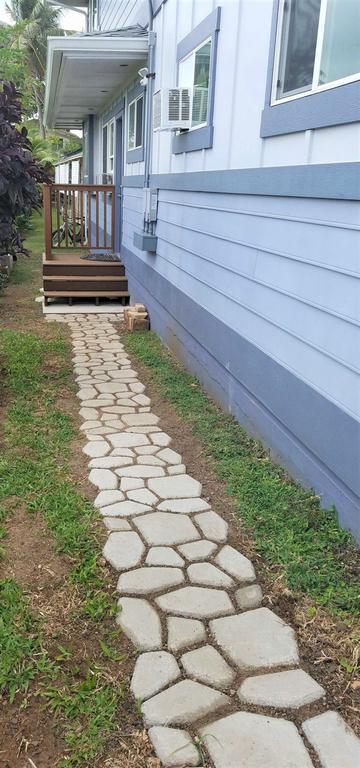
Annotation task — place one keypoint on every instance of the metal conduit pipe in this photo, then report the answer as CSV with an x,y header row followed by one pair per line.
x,y
149,103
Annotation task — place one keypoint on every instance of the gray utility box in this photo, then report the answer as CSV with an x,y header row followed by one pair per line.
x,y
145,241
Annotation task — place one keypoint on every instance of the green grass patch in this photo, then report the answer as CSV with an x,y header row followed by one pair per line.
x,y
290,528
23,657
34,470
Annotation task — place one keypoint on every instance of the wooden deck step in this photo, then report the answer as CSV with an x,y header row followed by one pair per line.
x,y
90,278
77,283
84,294
84,269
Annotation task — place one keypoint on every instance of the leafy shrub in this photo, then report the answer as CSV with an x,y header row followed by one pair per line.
x,y
20,174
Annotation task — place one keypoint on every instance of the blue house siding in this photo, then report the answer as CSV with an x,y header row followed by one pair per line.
x,y
255,281
259,297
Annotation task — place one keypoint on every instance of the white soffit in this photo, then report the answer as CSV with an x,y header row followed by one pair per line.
x,y
83,72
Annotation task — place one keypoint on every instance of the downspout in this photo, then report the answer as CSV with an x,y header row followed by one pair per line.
x,y
149,102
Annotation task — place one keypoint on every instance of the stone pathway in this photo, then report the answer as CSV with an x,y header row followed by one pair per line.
x,y
208,650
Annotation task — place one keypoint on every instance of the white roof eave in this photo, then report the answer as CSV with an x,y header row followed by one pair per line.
x,y
98,47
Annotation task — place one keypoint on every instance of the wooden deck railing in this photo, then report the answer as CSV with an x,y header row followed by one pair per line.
x,y
79,216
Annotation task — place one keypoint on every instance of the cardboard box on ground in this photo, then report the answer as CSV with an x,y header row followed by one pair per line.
x,y
136,318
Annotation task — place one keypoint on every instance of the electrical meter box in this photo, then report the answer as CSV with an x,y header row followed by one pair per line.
x,y
150,204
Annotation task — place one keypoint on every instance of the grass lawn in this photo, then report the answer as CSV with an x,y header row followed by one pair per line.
x,y
72,668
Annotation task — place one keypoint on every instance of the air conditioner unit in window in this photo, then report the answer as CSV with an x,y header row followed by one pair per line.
x,y
172,109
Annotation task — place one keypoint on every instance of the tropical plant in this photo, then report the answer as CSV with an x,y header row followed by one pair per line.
x,y
13,68
20,174
35,21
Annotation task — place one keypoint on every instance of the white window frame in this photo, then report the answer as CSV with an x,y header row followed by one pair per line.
x,y
135,101
94,15
191,85
110,156
315,87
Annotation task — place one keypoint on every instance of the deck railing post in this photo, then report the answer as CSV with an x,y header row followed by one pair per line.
x,y
77,217
113,219
47,219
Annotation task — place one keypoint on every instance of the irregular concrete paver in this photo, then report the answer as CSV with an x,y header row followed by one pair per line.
x,y
127,440
163,529
110,462
182,703
144,471
196,602
208,666
104,479
97,403
178,487
245,740
290,689
108,497
174,747
137,387
183,506
153,672
143,430
87,393
212,526
142,400
256,639
116,524
140,419
142,581
143,495
183,633
140,623
164,556
131,483
87,425
249,597
161,439
124,509
111,387
198,550
123,550
235,563
176,469
97,448
88,413
146,450
170,456
152,461
335,743
209,576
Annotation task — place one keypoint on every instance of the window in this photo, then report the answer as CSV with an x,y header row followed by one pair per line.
x,y
194,72
108,148
317,46
135,123
196,56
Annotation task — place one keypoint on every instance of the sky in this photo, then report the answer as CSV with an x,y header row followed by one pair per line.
x,y
69,19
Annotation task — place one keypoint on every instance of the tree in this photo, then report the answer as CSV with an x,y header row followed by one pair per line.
x,y
20,175
13,68
34,21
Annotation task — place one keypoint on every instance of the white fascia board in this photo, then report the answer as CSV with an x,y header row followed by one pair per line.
x,y
99,47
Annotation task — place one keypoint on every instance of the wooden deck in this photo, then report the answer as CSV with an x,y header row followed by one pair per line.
x,y
69,276
69,236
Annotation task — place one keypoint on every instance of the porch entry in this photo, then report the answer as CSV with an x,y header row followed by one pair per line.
x,y
81,233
